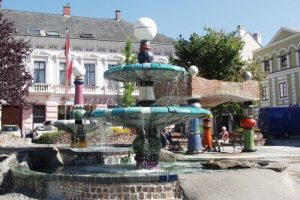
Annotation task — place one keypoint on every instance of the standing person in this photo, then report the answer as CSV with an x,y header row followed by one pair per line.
x,y
223,138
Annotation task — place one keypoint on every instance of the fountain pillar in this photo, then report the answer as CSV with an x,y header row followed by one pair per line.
x,y
194,138
248,123
78,90
207,137
78,138
146,147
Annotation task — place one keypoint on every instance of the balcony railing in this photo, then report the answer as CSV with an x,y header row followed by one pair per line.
x,y
60,89
41,87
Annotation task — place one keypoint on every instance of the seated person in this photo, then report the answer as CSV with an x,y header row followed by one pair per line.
x,y
223,138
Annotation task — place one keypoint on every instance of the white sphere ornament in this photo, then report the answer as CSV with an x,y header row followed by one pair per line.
x,y
193,71
79,70
145,29
247,75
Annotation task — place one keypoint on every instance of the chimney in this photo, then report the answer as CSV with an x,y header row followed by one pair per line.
x,y
257,37
241,30
67,10
118,15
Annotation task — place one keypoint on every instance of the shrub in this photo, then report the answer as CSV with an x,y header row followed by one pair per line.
x,y
49,138
117,130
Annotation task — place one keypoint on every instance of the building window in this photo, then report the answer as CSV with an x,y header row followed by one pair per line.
x,y
265,93
111,83
267,66
62,73
61,112
89,78
39,71
283,62
282,90
39,113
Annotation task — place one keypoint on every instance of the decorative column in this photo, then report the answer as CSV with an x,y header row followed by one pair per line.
x,y
78,139
194,138
147,144
207,136
248,123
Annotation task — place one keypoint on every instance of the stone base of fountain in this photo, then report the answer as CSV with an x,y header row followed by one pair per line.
x,y
86,187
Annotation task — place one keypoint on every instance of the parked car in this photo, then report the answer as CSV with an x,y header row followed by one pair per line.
x,y
13,130
40,130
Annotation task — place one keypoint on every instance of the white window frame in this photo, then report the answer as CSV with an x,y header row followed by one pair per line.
x,y
265,93
283,90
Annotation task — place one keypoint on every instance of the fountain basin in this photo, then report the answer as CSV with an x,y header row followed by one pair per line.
x,y
141,117
62,186
154,72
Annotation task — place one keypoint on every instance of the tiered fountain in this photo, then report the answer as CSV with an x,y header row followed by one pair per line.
x,y
148,118
89,181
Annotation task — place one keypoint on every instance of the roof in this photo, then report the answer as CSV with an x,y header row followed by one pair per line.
x,y
283,33
101,29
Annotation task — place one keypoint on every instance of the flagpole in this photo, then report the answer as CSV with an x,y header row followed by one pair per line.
x,y
66,70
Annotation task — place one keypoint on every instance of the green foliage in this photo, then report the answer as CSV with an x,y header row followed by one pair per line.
x,y
216,54
127,98
49,138
117,130
258,73
130,58
233,108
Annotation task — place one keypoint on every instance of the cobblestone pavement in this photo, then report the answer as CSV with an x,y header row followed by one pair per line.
x,y
285,152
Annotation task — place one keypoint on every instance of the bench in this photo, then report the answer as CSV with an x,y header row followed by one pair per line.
x,y
176,141
235,139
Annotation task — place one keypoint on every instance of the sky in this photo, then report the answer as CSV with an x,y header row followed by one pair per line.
x,y
175,17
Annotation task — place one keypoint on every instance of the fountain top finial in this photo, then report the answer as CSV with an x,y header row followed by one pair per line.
x,y
79,70
145,29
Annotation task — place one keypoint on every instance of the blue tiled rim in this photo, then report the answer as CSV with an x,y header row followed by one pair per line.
x,y
153,72
23,173
149,110
145,66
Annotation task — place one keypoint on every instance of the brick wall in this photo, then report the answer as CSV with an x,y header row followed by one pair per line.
x,y
210,92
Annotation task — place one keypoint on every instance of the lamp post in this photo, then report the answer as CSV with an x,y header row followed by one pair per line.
x,y
248,123
78,139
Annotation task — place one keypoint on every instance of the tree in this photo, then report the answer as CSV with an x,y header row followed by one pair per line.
x,y
15,77
127,98
216,54
258,74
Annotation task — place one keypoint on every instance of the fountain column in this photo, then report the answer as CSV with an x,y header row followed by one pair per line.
x,y
194,138
207,136
78,138
147,144
248,123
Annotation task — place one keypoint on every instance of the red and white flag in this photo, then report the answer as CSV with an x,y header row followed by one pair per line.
x,y
69,63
